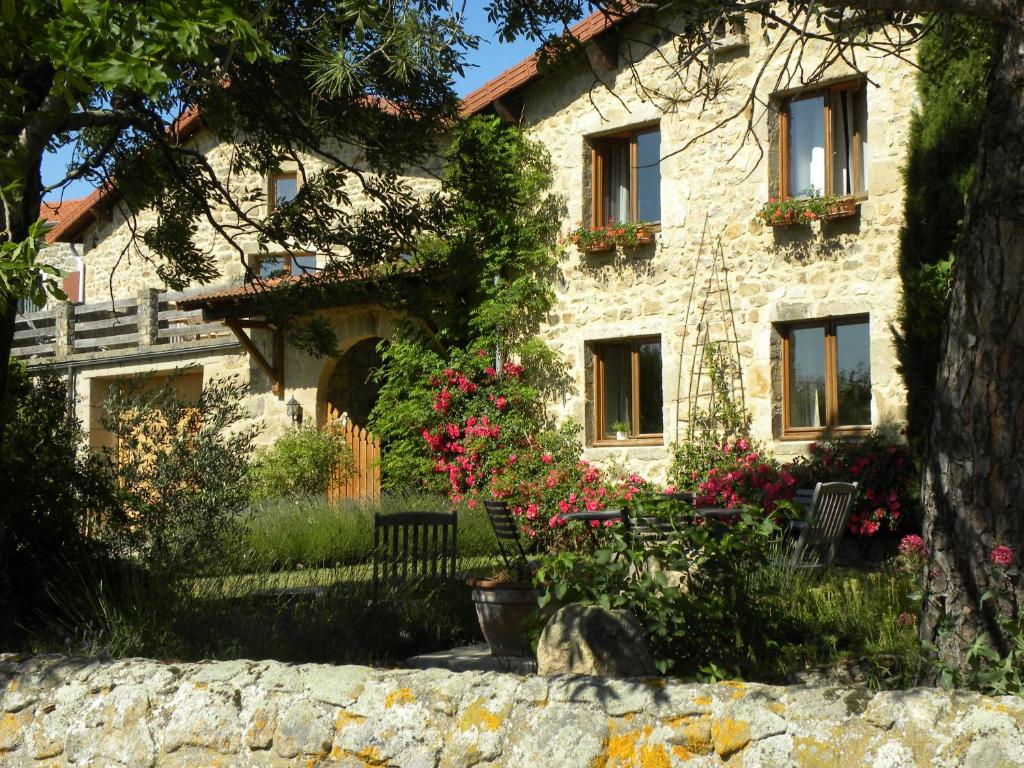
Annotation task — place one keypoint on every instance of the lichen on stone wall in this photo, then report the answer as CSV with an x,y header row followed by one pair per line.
x,y
74,711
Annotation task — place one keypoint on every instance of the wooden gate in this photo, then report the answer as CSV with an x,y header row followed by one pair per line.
x,y
365,483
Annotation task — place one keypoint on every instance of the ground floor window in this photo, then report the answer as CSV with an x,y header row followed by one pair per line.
x,y
627,389
826,376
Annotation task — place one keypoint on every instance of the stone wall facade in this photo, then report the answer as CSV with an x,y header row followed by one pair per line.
x,y
710,192
57,711
709,247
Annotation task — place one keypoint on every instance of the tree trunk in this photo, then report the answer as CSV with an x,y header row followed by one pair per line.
x,y
973,481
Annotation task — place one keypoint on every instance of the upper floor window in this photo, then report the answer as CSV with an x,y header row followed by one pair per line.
x,y
287,264
283,188
627,389
823,138
626,173
826,376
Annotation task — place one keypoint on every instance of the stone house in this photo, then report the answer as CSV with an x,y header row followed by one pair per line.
x,y
804,311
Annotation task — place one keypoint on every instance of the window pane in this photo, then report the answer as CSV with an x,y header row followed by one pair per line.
x,y
807,147
853,368
847,121
650,389
303,265
648,176
806,377
285,189
616,182
272,266
618,387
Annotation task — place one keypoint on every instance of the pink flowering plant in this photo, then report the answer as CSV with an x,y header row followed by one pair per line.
x,y
744,475
881,467
913,554
488,438
479,420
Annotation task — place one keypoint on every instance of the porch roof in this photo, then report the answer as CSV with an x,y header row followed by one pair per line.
x,y
241,301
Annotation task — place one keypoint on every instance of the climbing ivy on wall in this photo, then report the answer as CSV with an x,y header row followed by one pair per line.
x,y
484,283
952,83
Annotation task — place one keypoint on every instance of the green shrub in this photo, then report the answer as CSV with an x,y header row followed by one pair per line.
x,y
301,462
819,620
710,620
50,486
181,471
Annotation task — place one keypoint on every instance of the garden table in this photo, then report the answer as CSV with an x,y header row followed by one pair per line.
x,y
600,517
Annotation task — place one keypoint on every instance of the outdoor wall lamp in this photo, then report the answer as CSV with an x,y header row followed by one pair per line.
x,y
294,411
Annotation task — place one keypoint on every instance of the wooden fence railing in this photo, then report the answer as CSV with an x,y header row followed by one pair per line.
x,y
149,320
365,483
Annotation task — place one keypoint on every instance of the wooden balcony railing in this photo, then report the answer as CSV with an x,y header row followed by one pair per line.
x,y
150,321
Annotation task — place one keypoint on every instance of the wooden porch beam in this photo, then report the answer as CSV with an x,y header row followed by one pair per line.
x,y
510,111
604,53
274,372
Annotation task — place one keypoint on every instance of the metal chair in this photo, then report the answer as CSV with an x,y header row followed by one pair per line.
x,y
830,506
414,545
506,530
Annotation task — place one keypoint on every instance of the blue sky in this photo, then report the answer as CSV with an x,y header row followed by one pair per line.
x,y
487,62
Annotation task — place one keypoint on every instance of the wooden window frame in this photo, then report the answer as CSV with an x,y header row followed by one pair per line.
x,y
645,438
857,141
272,186
260,258
598,215
830,428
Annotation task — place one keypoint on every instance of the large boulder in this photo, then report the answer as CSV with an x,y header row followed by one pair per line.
x,y
588,640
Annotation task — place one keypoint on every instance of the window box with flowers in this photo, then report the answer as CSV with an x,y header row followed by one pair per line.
x,y
796,211
627,234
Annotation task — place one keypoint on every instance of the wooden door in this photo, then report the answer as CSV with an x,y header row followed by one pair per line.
x,y
365,482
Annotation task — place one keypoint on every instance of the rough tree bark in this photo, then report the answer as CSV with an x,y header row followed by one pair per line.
x,y
973,481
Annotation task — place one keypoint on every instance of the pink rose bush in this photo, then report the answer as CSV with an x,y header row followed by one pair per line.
x,y
487,439
736,473
882,470
913,554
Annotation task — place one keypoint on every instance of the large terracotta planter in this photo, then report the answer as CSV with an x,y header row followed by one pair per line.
x,y
503,609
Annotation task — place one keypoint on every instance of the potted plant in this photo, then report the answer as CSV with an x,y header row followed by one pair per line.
x,y
789,212
840,208
621,430
593,239
505,603
794,211
598,239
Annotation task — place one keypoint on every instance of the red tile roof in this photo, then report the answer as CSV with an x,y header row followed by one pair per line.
x,y
89,208
57,211
243,291
512,79
526,71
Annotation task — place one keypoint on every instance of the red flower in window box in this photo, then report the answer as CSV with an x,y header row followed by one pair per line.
x,y
631,234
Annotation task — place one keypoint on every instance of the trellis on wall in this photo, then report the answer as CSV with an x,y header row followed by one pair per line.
x,y
715,397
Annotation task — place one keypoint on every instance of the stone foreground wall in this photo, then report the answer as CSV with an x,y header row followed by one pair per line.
x,y
57,711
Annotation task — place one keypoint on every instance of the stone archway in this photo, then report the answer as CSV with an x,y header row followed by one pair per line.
x,y
350,388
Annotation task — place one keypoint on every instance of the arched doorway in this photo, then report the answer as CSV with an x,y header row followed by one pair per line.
x,y
349,395
350,388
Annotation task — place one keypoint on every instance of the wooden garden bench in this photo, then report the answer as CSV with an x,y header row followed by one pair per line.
x,y
414,546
